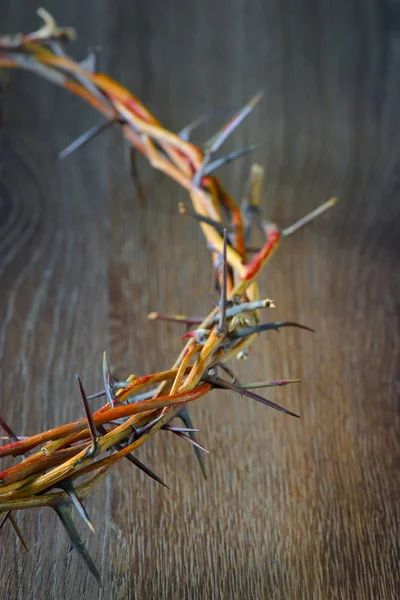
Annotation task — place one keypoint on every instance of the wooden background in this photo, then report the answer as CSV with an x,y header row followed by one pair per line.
x,y
291,509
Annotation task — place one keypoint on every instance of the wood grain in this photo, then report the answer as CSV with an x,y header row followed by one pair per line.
x,y
291,509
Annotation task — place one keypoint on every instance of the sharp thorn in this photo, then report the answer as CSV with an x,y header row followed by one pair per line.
x,y
7,429
153,316
182,429
222,305
184,416
96,395
217,382
83,139
92,427
132,459
217,140
220,227
309,217
145,469
190,440
269,326
140,191
106,380
64,514
68,487
186,132
8,516
221,162
18,531
264,384
5,517
91,62
228,371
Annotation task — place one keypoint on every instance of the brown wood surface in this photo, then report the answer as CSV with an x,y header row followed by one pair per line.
x,y
291,509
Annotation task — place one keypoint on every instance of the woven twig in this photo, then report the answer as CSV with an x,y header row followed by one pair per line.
x,y
137,408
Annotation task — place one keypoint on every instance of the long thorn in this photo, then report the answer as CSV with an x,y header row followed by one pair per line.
x,y
64,514
153,316
220,227
4,425
68,487
184,415
96,395
309,217
185,133
135,461
264,384
17,530
86,137
106,380
222,305
216,142
5,517
190,440
217,382
268,326
227,370
181,429
92,427
221,162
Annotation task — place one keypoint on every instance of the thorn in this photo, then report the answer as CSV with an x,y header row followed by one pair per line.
x,y
145,469
217,382
140,191
220,227
7,429
4,519
185,133
228,371
15,526
11,435
153,316
190,440
184,416
64,514
216,142
92,451
268,326
181,429
309,217
221,162
264,384
222,305
86,137
250,207
17,530
106,380
68,487
91,62
150,424
132,459
96,395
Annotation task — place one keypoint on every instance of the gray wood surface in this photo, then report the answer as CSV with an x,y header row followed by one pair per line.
x,y
291,509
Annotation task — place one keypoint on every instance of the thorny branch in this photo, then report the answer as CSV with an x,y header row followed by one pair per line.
x,y
140,406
